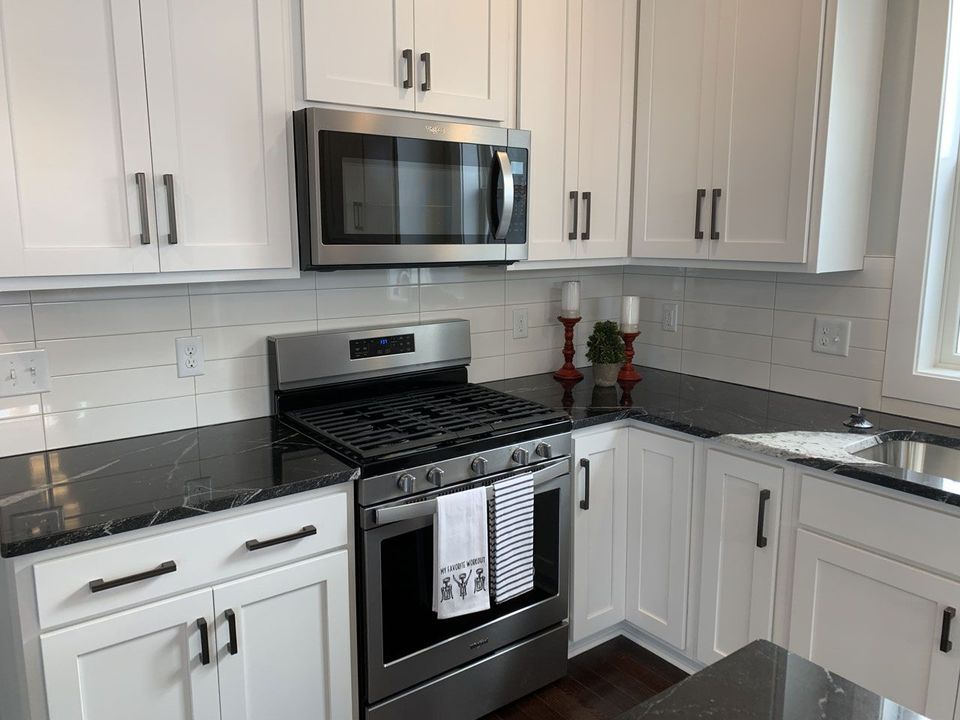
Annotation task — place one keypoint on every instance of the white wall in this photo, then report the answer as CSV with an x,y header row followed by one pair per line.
x,y
111,351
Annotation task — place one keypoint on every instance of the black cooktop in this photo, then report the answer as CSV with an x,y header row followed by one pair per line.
x,y
412,425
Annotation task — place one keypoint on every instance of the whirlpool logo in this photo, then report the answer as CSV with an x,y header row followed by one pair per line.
x,y
436,129
479,643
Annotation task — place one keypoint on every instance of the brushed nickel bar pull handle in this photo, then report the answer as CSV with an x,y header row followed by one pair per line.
x,y
698,228
100,584
141,180
304,532
575,196
171,209
425,85
408,57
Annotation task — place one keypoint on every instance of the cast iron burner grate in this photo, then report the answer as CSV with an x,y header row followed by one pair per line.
x,y
397,425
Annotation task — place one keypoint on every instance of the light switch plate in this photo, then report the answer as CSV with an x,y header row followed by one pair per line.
x,y
831,336
24,373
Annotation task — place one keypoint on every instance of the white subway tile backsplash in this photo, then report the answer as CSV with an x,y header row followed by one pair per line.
x,y
15,298
232,405
438,275
662,358
667,287
245,340
728,344
306,282
453,296
536,290
538,338
16,324
601,286
488,344
112,352
21,435
864,333
374,277
116,387
834,300
110,317
825,386
728,369
233,374
486,369
19,406
367,301
745,293
867,364
119,421
252,307
482,319
758,321
109,293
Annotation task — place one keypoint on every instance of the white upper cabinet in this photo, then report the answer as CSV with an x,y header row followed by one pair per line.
x,y
756,124
576,98
217,85
74,138
366,67
675,91
432,56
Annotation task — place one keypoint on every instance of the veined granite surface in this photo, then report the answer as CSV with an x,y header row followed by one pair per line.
x,y
765,682
60,497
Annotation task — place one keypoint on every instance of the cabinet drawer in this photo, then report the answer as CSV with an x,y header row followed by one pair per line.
x,y
924,536
202,556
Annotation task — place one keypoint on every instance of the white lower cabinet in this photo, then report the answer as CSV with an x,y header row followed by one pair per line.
x,y
144,663
877,622
283,642
599,531
660,493
741,527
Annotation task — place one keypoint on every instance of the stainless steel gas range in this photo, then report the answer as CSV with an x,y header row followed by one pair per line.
x,y
396,402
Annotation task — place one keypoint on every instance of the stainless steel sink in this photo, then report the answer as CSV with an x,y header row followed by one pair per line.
x,y
915,455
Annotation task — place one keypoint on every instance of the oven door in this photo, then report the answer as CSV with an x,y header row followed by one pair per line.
x,y
405,642
395,191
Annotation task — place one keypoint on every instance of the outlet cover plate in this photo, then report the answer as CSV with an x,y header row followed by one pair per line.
x,y
669,320
831,336
24,373
190,361
520,323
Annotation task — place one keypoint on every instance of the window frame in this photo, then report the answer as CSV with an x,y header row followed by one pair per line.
x,y
919,365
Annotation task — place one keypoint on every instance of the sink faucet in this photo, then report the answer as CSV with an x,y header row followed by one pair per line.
x,y
858,421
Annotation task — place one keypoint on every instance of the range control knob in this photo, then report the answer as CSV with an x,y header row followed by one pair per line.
x,y
521,456
435,476
479,465
544,450
405,482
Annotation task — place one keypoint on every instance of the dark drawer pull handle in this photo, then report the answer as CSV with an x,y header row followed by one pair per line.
x,y
587,205
946,645
714,232
426,84
698,229
234,645
306,531
761,518
585,503
204,641
100,584
575,196
408,57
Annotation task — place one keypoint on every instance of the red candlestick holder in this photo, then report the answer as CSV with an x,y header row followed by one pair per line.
x,y
628,373
568,371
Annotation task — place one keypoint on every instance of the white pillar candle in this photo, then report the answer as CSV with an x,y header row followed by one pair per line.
x,y
630,314
570,299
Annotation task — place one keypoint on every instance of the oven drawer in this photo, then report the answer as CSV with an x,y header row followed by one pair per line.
x,y
75,587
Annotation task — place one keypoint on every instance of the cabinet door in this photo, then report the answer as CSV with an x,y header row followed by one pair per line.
x,y
468,46
877,622
607,69
353,52
658,534
767,84
740,540
217,82
294,655
144,663
549,108
599,532
73,137
676,80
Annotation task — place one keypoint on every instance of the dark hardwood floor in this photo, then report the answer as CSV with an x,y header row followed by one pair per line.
x,y
600,684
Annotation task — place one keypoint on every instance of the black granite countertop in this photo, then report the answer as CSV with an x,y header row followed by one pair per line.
x,y
712,409
764,682
61,497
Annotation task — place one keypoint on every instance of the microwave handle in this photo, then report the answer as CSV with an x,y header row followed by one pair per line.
x,y
506,172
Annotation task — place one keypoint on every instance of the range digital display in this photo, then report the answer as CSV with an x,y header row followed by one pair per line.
x,y
376,347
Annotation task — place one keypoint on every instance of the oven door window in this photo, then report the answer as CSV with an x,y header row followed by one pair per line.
x,y
406,567
377,190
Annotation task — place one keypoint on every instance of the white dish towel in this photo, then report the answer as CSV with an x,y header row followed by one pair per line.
x,y
461,550
511,538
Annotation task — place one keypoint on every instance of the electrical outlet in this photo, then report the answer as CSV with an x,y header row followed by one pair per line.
x,y
190,356
520,326
831,336
671,311
24,373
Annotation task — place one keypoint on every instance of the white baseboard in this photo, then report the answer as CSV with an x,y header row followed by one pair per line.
x,y
644,640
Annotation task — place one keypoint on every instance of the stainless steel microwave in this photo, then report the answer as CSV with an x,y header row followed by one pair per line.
x,y
393,191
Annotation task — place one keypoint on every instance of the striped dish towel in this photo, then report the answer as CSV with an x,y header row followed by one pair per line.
x,y
511,538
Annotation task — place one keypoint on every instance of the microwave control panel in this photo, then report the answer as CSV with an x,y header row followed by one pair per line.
x,y
378,346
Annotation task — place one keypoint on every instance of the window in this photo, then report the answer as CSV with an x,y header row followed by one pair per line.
x,y
923,345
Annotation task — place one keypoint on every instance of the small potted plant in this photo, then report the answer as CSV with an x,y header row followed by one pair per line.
x,y
605,350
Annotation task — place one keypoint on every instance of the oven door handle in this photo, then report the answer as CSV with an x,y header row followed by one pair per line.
x,y
425,508
506,217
